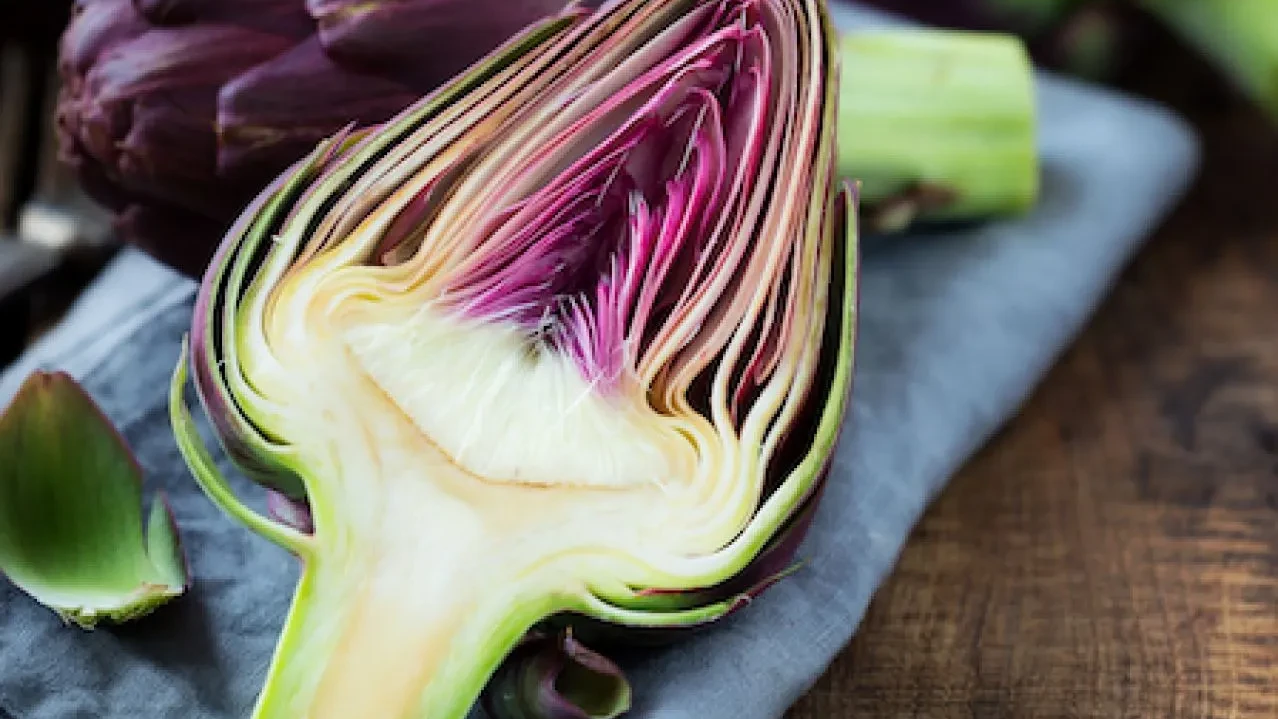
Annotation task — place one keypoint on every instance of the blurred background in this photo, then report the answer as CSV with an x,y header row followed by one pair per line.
x,y
53,239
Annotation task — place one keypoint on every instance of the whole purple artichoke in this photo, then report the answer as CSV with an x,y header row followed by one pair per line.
x,y
175,113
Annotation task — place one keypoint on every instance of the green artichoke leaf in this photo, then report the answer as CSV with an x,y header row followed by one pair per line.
x,y
72,531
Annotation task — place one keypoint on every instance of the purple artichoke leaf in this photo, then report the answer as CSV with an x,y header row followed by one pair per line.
x,y
386,35
167,59
94,27
295,513
92,175
556,676
166,157
263,120
287,18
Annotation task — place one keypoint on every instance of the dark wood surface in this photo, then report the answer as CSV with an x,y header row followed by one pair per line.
x,y
1114,552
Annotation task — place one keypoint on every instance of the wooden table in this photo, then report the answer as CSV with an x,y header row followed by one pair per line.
x,y
1114,553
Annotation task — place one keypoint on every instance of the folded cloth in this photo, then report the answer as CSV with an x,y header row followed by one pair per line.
x,y
956,329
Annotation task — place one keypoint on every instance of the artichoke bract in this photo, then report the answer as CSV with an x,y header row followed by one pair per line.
x,y
567,343
72,531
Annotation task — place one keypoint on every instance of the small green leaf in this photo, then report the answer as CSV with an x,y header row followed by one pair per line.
x,y
71,524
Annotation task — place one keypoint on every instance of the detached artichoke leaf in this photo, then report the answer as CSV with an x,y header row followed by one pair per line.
x,y
72,532
569,340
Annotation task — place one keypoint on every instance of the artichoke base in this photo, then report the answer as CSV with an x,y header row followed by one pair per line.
x,y
423,574
422,577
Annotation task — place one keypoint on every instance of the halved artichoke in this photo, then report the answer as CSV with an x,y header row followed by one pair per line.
x,y
568,342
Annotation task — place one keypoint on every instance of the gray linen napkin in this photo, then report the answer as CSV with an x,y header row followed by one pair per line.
x,y
956,330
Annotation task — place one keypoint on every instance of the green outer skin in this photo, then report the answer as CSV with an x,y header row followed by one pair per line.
x,y
1239,36
950,110
71,520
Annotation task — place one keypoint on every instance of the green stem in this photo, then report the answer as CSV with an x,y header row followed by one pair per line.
x,y
1239,36
371,639
938,125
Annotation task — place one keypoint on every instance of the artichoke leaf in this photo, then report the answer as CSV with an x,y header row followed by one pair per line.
x,y
72,531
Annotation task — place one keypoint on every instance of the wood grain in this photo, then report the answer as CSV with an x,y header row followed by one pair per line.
x,y
1114,553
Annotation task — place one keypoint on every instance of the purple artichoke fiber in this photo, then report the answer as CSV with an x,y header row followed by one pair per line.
x,y
175,113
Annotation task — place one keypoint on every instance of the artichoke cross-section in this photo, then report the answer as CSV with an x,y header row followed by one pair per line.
x,y
570,339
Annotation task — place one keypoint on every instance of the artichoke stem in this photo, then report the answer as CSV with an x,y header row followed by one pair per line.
x,y
937,125
358,644
414,594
